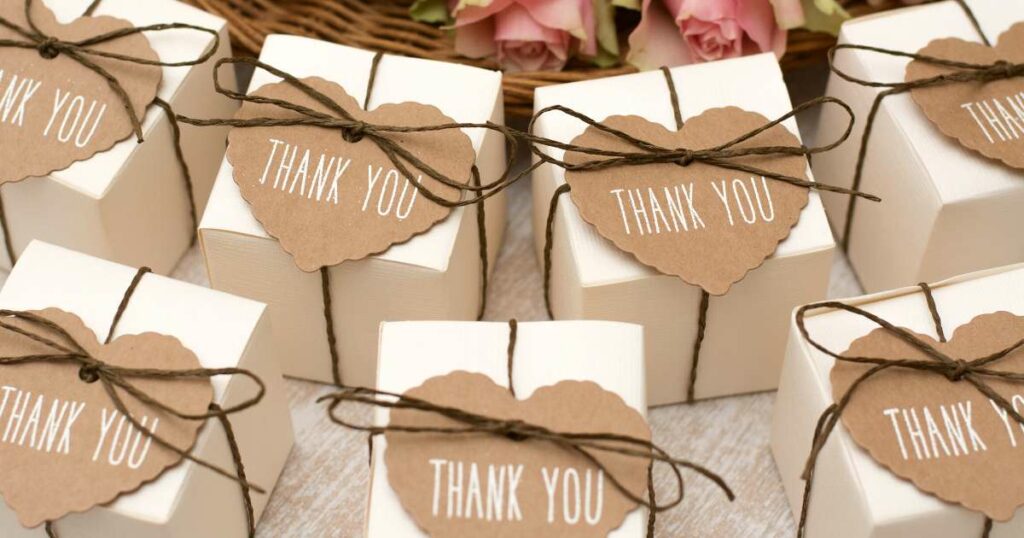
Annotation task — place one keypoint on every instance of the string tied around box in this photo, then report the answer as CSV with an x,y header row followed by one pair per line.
x,y
976,372
83,52
584,444
70,352
643,152
964,72
473,190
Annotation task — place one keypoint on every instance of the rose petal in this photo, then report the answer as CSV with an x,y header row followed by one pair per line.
x,y
476,40
757,19
656,41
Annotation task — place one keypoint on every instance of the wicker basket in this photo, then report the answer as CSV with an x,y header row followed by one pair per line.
x,y
385,25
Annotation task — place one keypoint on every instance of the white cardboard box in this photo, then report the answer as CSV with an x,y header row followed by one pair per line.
x,y
129,204
945,210
853,496
607,353
223,331
435,275
592,279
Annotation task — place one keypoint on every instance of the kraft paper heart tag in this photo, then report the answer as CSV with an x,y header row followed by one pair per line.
x,y
987,117
707,225
65,447
56,111
945,437
328,200
486,485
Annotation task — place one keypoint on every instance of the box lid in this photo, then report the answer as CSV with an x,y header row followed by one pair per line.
x,y
958,300
465,94
957,173
216,326
753,83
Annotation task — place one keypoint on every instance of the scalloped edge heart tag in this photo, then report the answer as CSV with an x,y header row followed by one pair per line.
x,y
510,488
64,447
945,437
327,200
985,117
709,226
55,112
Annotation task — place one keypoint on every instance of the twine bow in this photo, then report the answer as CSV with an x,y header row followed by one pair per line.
x,y
722,156
582,444
91,369
352,130
83,50
977,372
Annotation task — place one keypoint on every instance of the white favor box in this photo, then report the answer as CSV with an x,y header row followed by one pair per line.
x,y
593,279
607,353
224,332
435,275
130,204
945,210
853,496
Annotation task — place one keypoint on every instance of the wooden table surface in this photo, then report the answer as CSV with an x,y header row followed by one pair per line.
x,y
322,492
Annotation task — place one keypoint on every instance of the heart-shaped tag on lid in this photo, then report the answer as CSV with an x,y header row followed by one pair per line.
x,y
64,445
984,116
945,436
489,485
329,196
56,110
707,225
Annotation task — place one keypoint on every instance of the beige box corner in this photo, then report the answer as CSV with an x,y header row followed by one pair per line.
x,y
224,331
853,496
435,275
945,210
130,204
592,279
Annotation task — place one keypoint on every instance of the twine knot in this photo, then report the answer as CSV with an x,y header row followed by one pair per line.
x,y
90,373
686,159
354,133
512,430
1004,69
959,369
48,48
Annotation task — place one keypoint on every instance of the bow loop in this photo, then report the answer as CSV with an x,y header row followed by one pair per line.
x,y
726,155
468,422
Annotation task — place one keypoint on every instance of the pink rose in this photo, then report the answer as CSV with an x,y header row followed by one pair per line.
x,y
525,35
678,32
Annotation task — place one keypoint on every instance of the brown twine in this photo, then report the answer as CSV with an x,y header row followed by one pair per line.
x,y
955,370
82,51
69,351
582,444
964,72
325,276
649,153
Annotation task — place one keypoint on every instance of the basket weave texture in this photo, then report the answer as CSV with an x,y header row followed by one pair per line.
x,y
385,25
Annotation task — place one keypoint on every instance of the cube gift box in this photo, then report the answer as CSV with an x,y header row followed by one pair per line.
x,y
130,204
224,332
945,209
853,495
436,275
607,353
592,279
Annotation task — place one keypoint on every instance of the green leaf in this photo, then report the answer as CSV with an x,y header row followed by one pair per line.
x,y
430,11
824,16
